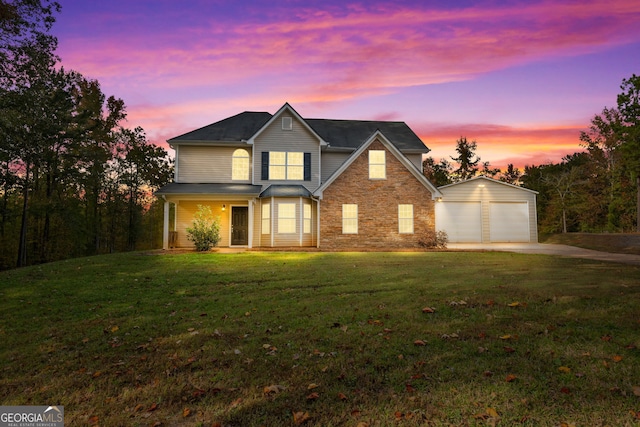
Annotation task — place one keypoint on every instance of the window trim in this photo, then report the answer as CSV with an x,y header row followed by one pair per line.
x,y
234,168
281,218
349,223
406,220
377,166
266,218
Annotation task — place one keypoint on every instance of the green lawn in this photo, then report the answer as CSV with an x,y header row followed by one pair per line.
x,y
324,339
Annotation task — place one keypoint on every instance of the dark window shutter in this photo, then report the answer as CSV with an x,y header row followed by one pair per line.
x,y
307,166
265,165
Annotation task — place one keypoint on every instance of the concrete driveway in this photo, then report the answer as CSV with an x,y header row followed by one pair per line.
x,y
548,249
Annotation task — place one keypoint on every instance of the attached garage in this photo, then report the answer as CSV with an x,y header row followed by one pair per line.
x,y
484,210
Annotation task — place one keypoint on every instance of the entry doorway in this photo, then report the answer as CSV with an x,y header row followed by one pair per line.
x,y
239,226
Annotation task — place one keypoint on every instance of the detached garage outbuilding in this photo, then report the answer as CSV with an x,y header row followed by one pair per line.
x,y
485,210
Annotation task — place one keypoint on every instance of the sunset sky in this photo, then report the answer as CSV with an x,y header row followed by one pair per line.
x,y
522,78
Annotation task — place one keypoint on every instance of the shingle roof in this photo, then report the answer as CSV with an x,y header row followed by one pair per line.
x,y
351,133
286,191
178,188
340,134
233,129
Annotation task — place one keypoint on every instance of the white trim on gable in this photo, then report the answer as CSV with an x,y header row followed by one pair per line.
x,y
287,108
475,178
377,135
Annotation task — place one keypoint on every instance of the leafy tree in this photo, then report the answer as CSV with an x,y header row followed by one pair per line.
x,y
511,175
438,174
629,108
205,232
467,160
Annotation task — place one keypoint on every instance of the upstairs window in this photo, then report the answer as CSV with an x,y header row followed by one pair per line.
x,y
377,164
240,165
286,166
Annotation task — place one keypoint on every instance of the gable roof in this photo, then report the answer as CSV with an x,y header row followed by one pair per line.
x,y
340,135
377,135
237,128
350,134
286,108
485,178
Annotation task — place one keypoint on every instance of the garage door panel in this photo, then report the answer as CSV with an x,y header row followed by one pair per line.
x,y
509,222
462,221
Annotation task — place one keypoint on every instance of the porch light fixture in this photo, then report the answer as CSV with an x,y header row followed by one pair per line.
x,y
481,185
224,207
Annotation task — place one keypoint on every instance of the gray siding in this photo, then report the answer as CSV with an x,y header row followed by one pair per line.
x,y
202,164
331,162
416,159
299,139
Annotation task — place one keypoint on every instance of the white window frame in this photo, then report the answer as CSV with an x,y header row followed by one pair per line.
x,y
240,165
306,208
405,219
266,218
289,166
287,218
377,164
349,218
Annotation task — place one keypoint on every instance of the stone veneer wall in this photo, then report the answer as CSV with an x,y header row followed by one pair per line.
x,y
377,202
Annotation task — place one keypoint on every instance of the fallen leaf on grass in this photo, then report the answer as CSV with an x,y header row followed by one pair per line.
x,y
236,402
273,389
153,407
300,417
313,396
186,412
362,424
636,390
419,343
428,310
606,338
489,413
94,420
312,386
511,378
509,349
342,396
565,390
409,388
564,369
617,358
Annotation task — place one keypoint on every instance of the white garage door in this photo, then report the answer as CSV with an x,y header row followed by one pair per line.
x,y
509,222
461,220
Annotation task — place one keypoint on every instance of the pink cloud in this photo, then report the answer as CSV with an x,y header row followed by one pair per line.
x,y
501,145
326,55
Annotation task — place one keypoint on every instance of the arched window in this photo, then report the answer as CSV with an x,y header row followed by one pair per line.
x,y
240,165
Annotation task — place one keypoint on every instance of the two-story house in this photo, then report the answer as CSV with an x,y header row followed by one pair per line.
x,y
285,181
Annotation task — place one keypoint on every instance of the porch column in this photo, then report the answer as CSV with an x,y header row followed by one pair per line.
x,y
165,227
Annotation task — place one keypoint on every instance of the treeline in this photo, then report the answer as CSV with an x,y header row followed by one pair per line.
x,y
595,190
73,180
